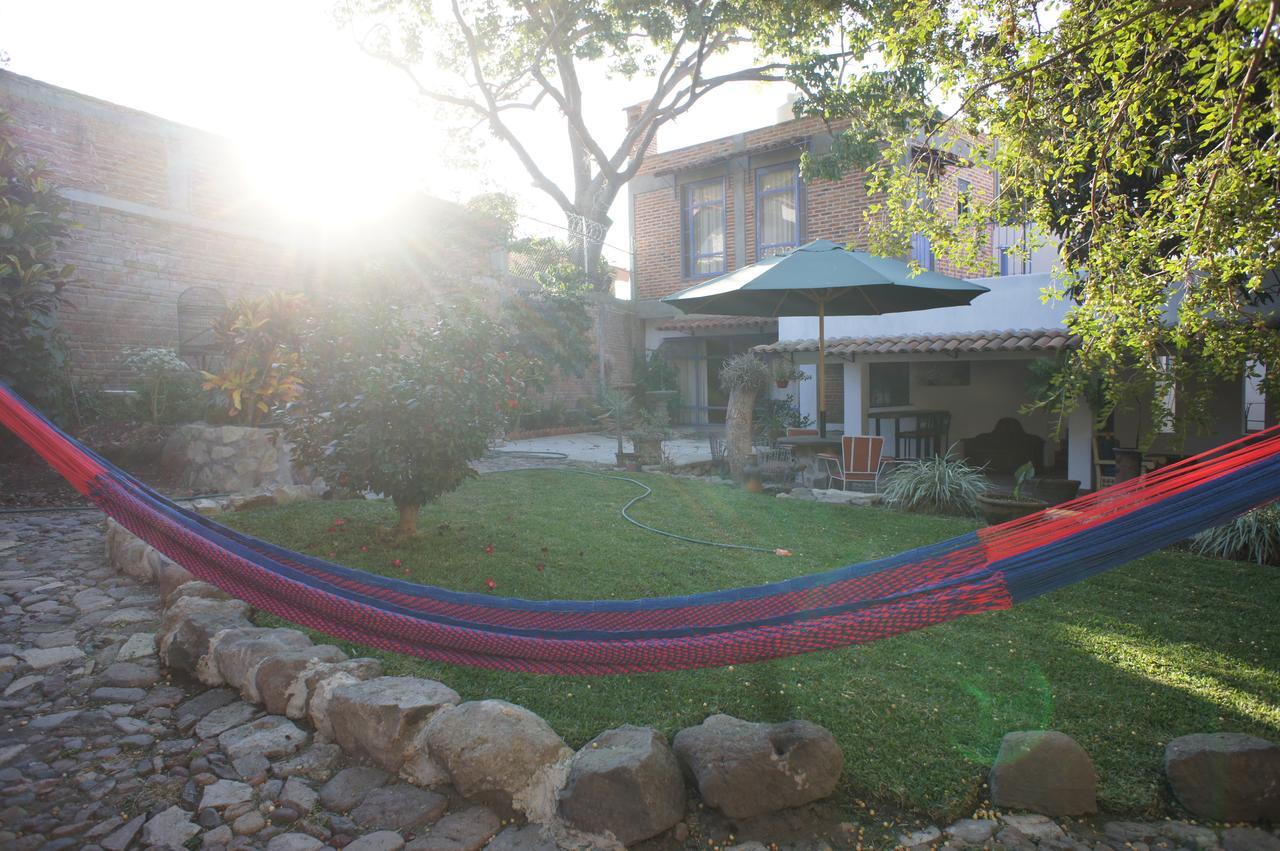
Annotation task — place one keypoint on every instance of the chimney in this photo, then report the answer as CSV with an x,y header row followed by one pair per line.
x,y
633,115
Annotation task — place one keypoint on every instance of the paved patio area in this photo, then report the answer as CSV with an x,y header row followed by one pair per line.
x,y
599,448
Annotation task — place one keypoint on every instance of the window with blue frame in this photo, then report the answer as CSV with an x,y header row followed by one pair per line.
x,y
704,228
922,251
777,209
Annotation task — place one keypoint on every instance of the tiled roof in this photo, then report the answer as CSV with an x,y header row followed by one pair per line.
x,y
759,324
1022,340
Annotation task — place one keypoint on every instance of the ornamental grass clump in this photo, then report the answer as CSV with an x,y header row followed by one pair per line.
x,y
943,484
1253,536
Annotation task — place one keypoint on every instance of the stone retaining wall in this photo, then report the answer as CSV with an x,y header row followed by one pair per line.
x,y
227,459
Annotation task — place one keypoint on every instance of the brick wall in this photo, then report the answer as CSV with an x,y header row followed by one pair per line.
x,y
162,207
832,210
624,337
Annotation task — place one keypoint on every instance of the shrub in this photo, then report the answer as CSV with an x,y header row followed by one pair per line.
x,y
774,416
942,484
33,226
259,338
163,381
399,406
1253,536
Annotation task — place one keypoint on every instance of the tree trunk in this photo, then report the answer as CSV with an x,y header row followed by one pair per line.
x,y
737,427
408,525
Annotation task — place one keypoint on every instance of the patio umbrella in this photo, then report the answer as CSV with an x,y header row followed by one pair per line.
x,y
825,278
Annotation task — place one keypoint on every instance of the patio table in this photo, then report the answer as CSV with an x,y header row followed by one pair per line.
x,y
806,449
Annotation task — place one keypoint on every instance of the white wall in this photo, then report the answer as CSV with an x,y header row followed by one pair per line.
x,y
1015,301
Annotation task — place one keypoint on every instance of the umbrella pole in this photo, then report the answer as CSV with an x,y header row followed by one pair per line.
x,y
822,368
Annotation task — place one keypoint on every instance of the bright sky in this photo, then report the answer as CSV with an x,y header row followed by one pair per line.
x,y
315,114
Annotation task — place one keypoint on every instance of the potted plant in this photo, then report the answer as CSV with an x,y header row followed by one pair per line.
x,y
652,430
1001,508
615,417
1054,491
784,372
753,478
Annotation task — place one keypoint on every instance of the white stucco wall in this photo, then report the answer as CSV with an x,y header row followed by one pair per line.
x,y
1015,301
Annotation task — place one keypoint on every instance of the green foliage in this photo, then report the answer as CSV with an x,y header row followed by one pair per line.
x,y
1253,536
618,409
549,327
399,405
652,371
772,417
1021,476
1145,138
942,484
744,372
783,371
165,384
259,339
34,224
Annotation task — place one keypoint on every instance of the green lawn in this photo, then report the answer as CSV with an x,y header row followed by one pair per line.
x,y
1168,645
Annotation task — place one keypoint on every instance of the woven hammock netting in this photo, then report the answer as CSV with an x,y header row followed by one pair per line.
x,y
987,570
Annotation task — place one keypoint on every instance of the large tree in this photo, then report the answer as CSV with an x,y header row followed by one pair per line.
x,y
1144,136
494,60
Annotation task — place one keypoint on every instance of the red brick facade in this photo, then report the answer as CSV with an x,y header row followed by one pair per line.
x,y
832,210
162,207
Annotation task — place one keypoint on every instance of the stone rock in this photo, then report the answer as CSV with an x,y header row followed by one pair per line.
x,y
379,718
189,624
130,675
379,840
971,831
141,645
1189,835
399,807
224,718
217,837
350,786
269,737
120,838
745,769
294,842
169,575
274,675
223,793
170,829
1034,826
312,689
237,652
205,590
421,769
249,823
922,838
298,793
1043,771
527,838
190,712
1225,776
1249,839
493,750
40,658
315,763
467,830
626,782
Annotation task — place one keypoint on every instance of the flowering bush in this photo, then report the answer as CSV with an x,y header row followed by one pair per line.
x,y
163,380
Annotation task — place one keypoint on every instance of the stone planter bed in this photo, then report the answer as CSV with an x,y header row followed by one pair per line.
x,y
628,784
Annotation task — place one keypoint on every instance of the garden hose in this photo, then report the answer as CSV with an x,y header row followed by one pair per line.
x,y
634,500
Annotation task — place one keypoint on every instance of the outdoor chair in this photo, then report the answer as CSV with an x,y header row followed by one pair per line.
x,y
861,459
718,460
777,466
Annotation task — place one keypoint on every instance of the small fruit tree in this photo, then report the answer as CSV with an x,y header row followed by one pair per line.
x,y
398,404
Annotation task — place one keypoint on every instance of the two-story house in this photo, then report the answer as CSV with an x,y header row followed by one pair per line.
x,y
926,380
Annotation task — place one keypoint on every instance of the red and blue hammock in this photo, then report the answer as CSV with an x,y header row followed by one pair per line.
x,y
982,571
